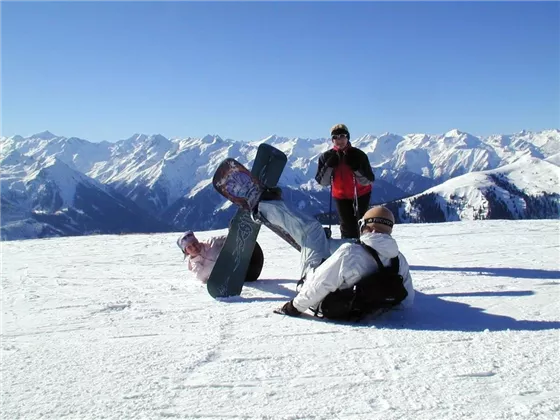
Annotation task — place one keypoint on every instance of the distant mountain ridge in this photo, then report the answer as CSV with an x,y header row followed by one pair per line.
x,y
526,189
53,185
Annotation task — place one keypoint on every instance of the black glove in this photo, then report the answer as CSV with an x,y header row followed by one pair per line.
x,y
288,309
333,160
352,159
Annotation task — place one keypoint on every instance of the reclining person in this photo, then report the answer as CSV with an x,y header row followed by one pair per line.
x,y
350,263
201,256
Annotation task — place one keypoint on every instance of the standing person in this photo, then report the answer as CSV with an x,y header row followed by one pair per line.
x,y
348,171
201,256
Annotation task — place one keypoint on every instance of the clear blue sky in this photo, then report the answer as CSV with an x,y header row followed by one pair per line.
x,y
246,70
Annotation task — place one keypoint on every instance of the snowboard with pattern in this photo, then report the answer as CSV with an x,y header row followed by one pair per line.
x,y
243,188
239,186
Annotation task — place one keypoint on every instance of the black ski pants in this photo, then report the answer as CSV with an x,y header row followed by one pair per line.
x,y
349,220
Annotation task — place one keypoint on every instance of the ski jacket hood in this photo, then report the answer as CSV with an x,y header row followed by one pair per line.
x,y
383,243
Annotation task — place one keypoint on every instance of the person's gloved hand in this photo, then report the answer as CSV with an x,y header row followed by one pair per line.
x,y
333,160
352,159
288,309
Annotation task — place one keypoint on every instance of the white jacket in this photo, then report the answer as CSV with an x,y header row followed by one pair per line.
x,y
203,263
349,264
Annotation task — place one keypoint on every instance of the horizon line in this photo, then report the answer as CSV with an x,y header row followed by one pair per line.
x,y
50,134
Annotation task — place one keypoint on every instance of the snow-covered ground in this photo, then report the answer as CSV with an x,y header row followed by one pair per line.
x,y
116,327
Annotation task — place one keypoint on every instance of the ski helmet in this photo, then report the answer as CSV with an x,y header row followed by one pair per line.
x,y
340,129
380,218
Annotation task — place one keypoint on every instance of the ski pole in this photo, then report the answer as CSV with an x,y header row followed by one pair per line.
x,y
356,209
330,207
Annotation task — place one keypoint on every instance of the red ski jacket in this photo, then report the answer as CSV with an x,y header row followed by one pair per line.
x,y
344,178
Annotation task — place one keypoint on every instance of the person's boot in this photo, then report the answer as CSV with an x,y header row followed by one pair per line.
x,y
268,194
271,193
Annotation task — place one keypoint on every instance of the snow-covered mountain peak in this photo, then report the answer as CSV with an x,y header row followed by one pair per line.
x,y
454,133
17,137
76,140
390,136
44,135
379,149
137,138
157,138
158,144
211,139
272,139
463,140
547,140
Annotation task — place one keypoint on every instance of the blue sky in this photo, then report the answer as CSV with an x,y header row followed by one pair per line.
x,y
246,70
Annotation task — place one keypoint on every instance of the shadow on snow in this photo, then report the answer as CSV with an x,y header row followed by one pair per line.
x,y
523,273
430,311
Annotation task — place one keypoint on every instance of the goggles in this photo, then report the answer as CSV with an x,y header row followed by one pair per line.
x,y
362,223
339,136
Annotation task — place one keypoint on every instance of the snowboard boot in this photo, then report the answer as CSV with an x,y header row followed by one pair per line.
x,y
271,193
268,194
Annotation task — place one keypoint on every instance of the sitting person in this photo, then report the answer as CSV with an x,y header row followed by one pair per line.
x,y
350,263
201,256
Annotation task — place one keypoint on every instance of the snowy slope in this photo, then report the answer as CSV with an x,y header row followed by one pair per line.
x,y
115,327
555,159
528,188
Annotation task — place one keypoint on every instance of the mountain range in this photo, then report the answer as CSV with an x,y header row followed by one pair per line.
x,y
57,186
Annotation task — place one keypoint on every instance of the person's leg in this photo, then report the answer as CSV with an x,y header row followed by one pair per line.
x,y
348,220
363,204
306,231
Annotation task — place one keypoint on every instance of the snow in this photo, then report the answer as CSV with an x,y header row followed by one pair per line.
x,y
175,168
116,327
533,176
466,192
554,159
45,135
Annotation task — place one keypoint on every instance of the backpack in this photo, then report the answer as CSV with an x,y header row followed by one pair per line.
x,y
380,290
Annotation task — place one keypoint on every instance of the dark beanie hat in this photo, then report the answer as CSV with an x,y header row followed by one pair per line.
x,y
340,129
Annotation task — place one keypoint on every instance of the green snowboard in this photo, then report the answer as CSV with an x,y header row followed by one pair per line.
x,y
231,267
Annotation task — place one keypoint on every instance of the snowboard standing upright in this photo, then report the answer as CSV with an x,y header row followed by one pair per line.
x,y
231,267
